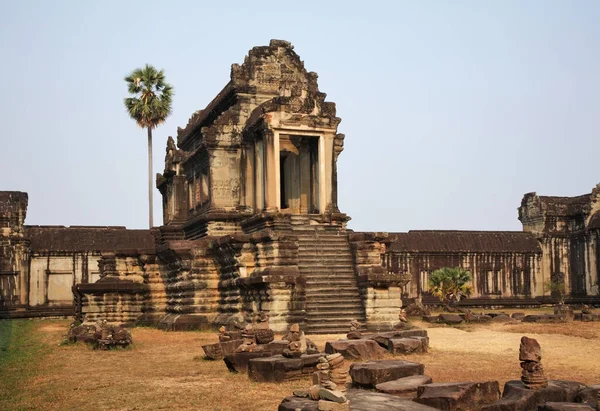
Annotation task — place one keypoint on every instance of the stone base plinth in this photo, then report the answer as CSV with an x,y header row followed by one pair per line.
x,y
279,368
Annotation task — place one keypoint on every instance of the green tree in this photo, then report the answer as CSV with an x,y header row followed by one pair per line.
x,y
149,106
557,288
450,284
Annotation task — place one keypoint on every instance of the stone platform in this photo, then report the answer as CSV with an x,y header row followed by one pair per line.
x,y
279,368
369,374
517,397
360,400
238,362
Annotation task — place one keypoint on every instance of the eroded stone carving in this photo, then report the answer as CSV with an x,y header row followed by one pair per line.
x,y
530,355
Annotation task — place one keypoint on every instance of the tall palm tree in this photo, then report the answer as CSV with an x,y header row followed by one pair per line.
x,y
149,106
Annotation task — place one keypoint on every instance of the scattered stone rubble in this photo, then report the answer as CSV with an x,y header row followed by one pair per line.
x,y
402,385
100,335
562,314
374,345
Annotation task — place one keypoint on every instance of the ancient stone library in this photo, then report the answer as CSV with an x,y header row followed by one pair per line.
x,y
251,226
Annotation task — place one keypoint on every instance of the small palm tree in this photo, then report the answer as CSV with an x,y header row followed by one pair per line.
x,y
450,284
149,106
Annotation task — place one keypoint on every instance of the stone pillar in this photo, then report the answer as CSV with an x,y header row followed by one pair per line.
x,y
272,172
304,177
277,169
327,176
322,189
259,176
248,184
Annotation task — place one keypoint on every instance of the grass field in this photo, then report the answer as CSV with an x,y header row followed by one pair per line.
x,y
166,370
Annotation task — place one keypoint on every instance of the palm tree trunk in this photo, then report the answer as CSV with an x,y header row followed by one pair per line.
x,y
150,207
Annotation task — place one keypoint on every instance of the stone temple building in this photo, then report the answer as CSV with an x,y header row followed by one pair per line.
x,y
252,224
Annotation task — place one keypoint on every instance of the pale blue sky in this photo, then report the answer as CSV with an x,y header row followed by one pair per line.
x,y
452,110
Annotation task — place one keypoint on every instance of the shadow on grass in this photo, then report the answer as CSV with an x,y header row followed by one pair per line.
x,y
20,349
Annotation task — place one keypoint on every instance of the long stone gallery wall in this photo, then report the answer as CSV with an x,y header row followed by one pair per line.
x,y
252,226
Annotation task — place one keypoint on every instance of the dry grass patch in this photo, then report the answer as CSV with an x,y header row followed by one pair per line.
x,y
166,370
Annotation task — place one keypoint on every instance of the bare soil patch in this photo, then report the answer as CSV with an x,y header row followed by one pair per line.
x,y
166,370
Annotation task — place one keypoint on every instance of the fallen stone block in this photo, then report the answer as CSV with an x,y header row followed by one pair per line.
x,y
589,317
363,349
450,319
517,397
369,374
365,400
502,318
544,318
518,316
565,406
405,346
430,318
458,395
404,387
589,395
384,338
218,351
279,368
293,403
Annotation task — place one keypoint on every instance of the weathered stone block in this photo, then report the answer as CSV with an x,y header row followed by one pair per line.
x,y
298,404
405,345
384,338
363,349
450,319
589,395
366,400
518,316
458,395
565,406
279,368
404,387
219,350
502,318
371,373
517,397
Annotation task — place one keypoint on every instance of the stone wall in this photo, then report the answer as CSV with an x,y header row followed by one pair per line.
x,y
14,250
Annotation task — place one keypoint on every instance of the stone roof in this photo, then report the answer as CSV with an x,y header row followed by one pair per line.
x,y
464,241
86,238
566,205
594,221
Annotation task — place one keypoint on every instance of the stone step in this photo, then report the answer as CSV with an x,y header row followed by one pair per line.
x,y
324,254
323,289
319,312
326,273
327,276
341,328
317,301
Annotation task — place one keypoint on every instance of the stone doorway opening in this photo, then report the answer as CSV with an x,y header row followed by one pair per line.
x,y
299,174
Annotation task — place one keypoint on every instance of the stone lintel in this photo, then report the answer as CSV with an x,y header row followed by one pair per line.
x,y
377,278
381,237
111,285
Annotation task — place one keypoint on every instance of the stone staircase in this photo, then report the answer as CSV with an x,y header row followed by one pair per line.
x,y
325,260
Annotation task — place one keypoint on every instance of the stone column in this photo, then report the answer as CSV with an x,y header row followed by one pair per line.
x,y
259,176
272,171
304,177
322,177
277,169
327,175
248,186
